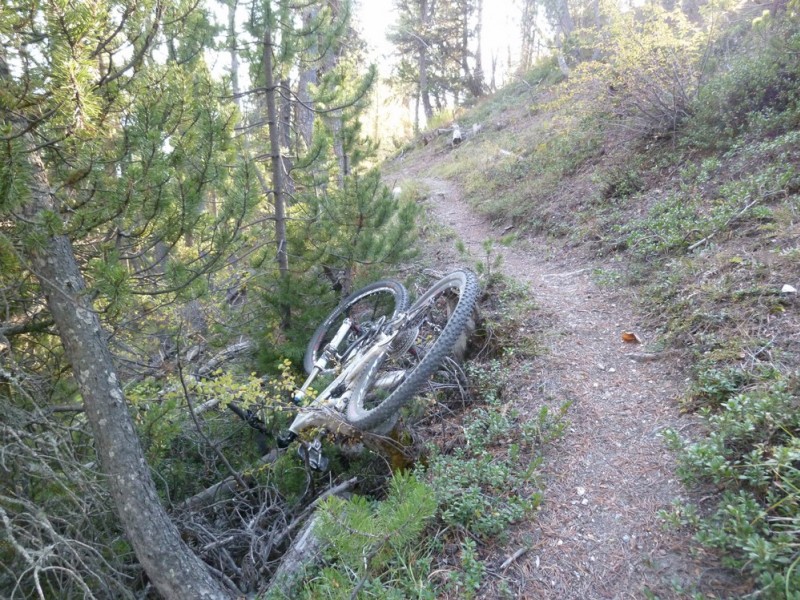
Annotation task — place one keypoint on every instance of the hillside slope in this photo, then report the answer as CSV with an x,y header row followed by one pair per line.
x,y
599,533
690,238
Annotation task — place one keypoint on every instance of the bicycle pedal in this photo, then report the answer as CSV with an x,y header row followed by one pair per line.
x,y
312,453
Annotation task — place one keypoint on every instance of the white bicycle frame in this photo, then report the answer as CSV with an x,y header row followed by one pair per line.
x,y
326,410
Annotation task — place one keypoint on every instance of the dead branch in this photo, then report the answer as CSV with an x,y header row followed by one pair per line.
x,y
226,487
306,547
507,562
225,355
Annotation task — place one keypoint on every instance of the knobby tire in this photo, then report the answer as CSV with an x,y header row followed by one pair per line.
x,y
372,419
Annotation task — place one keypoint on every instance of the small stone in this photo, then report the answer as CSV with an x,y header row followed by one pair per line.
x,y
612,370
626,538
581,491
601,367
585,501
788,289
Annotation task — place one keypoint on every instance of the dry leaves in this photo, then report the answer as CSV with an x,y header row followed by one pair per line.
x,y
630,338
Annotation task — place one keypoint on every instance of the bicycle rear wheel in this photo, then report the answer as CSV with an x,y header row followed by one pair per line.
x,y
438,319
365,308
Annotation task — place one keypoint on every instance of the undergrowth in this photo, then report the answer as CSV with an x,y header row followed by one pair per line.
x,y
723,242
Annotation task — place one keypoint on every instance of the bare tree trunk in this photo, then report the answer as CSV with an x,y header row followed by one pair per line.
x,y
562,62
422,62
277,168
308,78
478,76
493,81
464,50
335,118
417,98
234,53
528,25
171,566
566,26
285,129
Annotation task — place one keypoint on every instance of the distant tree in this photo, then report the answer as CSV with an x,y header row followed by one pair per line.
x,y
439,45
411,35
529,33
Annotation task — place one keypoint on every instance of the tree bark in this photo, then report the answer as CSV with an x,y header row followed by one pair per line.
x,y
478,77
422,60
234,53
566,26
277,167
308,78
285,130
173,569
334,118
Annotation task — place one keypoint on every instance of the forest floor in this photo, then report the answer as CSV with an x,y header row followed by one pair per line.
x,y
598,533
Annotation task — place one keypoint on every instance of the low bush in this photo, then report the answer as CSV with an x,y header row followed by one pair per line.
x,y
752,454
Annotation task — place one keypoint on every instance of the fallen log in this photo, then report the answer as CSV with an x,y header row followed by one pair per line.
x,y
306,547
224,355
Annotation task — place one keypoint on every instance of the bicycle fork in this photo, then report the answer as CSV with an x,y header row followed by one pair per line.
x,y
327,408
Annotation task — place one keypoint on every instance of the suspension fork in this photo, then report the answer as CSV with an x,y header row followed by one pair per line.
x,y
328,353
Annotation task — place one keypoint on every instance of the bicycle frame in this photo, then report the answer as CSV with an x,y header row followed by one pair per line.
x,y
326,409
384,361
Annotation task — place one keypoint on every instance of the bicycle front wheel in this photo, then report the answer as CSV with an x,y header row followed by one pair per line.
x,y
438,319
365,308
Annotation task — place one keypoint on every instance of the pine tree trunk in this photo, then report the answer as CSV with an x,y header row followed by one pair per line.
x,y
308,78
528,24
234,53
285,129
171,566
422,62
277,168
464,50
478,77
334,118
567,26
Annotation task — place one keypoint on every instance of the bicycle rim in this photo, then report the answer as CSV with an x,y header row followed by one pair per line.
x,y
439,318
365,307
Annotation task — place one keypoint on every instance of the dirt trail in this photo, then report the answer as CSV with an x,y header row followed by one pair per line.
x,y
598,534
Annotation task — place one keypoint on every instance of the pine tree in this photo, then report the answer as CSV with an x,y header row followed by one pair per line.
x,y
321,187
438,42
114,149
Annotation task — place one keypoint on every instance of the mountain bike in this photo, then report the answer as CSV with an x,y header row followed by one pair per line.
x,y
374,352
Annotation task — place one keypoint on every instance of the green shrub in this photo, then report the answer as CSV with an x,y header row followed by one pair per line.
x,y
491,482
757,92
752,453
480,493
375,547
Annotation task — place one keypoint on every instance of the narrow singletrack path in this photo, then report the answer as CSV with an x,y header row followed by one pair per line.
x,y
598,534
